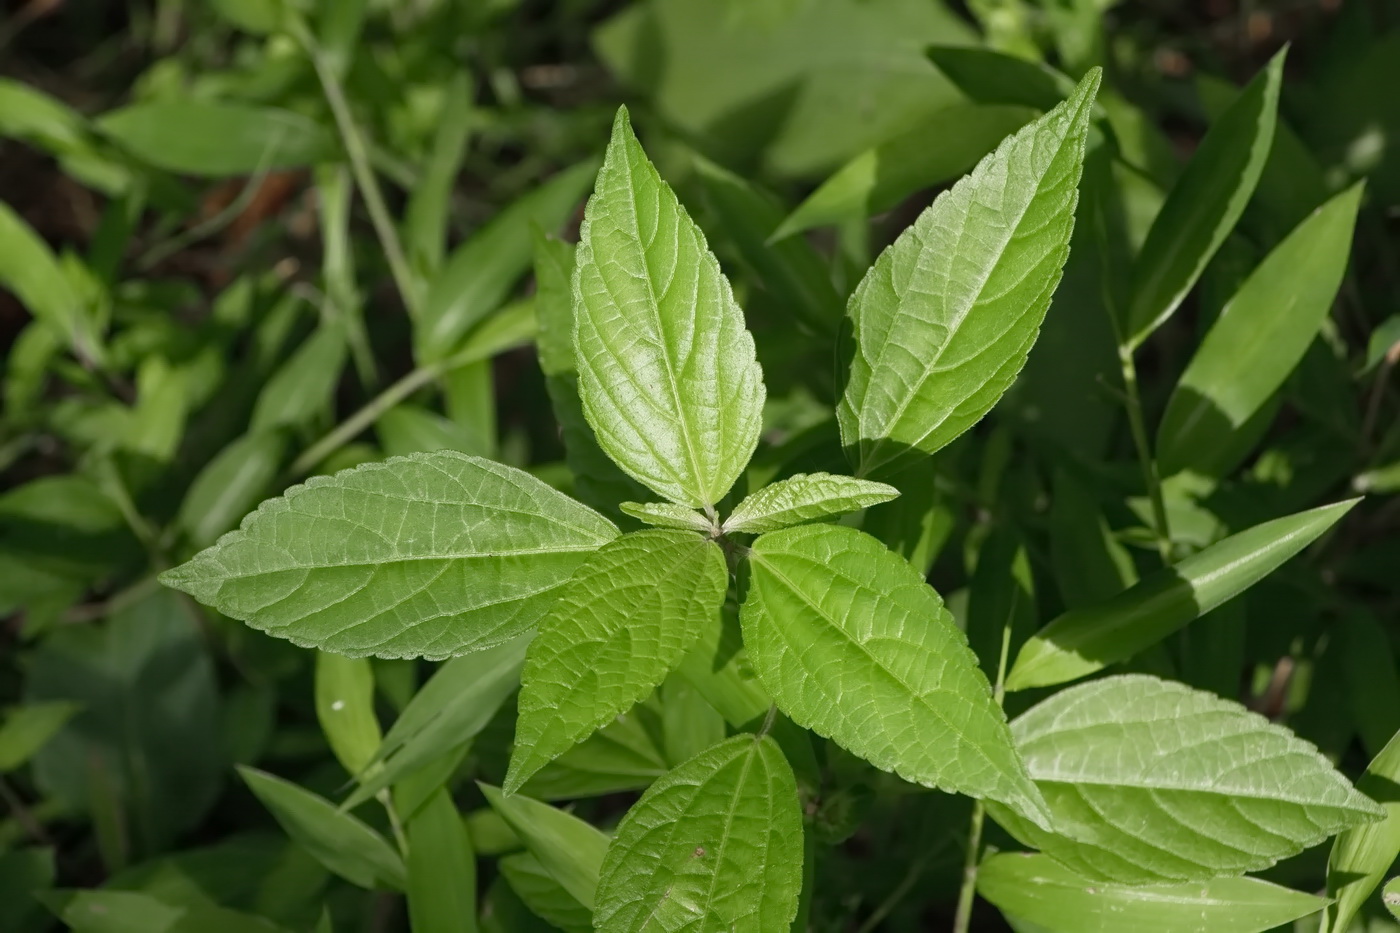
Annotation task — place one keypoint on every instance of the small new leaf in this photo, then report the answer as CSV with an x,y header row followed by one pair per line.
x,y
806,497
712,847
668,515
943,321
429,555
620,625
667,372
854,645
1150,781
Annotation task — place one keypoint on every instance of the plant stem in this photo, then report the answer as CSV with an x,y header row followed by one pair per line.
x,y
358,152
1144,452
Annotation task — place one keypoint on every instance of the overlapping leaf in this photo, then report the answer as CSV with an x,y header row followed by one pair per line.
x,y
667,371
1151,781
428,555
853,644
805,497
943,321
668,515
1361,856
714,846
619,626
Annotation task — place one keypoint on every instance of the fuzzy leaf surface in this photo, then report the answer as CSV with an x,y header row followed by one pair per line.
x,y
667,372
714,846
943,321
806,497
1150,781
620,625
854,645
667,515
429,555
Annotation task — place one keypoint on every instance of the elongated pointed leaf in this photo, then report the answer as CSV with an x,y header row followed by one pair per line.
x,y
441,869
1363,855
1204,204
428,555
337,840
943,321
806,497
1058,900
667,371
1259,339
1082,641
714,846
215,139
668,515
1151,781
620,625
345,708
854,645
545,897
568,848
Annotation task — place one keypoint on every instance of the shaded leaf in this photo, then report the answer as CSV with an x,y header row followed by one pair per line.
x,y
568,848
1363,855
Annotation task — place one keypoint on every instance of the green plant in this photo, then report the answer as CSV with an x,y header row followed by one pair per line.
x,y
1122,781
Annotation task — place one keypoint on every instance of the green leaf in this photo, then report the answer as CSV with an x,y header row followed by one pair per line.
x,y
304,386
428,555
943,321
569,849
230,486
714,846
545,897
622,756
944,146
1059,901
456,703
24,874
620,625
30,270
216,139
1390,897
337,840
668,515
1085,640
345,708
28,728
479,275
667,371
991,77
1204,204
1259,338
805,497
426,216
1151,781
1362,855
854,645
441,869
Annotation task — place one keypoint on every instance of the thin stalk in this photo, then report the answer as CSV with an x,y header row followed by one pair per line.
x,y
358,151
968,892
1144,451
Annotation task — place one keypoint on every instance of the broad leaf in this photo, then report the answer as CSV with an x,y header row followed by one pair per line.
x,y
943,321
1204,204
215,139
1363,855
668,515
1057,900
714,846
1082,641
667,371
337,840
569,849
854,645
1260,337
806,497
429,555
1150,781
620,625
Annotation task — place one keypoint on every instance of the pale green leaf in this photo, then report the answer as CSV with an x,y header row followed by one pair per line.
x,y
1085,640
806,497
1362,855
667,371
854,645
712,847
620,625
337,840
1059,901
569,849
943,321
668,515
345,708
1260,337
231,485
1151,781
1204,204
29,269
1390,897
218,138
304,386
429,555
441,869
